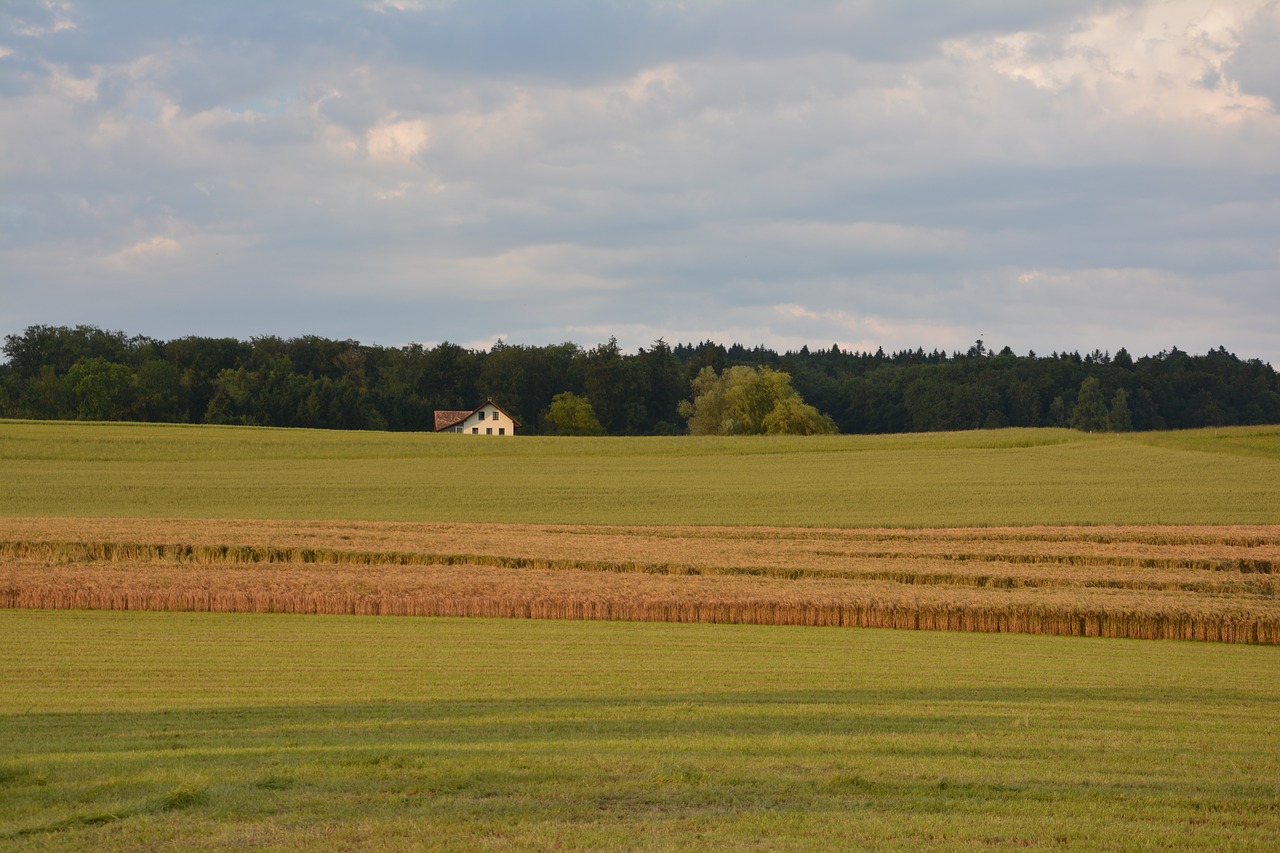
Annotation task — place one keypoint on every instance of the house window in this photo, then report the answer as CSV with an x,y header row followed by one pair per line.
x,y
488,431
502,430
475,430
495,416
457,429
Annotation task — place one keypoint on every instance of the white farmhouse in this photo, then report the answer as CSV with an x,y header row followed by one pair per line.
x,y
488,419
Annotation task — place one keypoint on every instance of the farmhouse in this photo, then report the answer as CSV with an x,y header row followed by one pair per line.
x,y
488,419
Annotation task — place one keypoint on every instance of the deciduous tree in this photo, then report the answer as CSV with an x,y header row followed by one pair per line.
x,y
750,401
1120,419
1090,413
570,414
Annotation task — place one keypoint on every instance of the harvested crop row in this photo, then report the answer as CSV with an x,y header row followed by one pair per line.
x,y
817,550
913,569
465,589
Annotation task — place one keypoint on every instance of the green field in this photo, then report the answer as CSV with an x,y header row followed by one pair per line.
x,y
125,730
1226,476
191,731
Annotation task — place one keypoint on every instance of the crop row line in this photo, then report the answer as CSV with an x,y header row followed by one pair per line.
x,y
1241,565
76,552
1086,621
968,534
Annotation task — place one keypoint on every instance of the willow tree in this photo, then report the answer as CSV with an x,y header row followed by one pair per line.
x,y
750,401
570,414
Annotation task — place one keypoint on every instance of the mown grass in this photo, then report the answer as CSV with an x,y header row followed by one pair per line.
x,y
1017,476
199,731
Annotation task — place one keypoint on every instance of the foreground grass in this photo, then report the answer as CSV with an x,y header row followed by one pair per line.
x,y
190,731
1017,476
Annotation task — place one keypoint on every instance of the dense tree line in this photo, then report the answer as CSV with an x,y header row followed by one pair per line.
x,y
94,374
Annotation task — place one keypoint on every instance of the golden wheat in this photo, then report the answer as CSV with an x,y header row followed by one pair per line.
x,y
1118,582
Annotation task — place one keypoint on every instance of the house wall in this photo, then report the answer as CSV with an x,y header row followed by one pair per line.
x,y
488,418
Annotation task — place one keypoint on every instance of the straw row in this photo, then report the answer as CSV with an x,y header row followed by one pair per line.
x,y
972,579
830,550
1238,628
252,554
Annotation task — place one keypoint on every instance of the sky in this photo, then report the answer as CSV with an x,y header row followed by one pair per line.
x,y
1057,175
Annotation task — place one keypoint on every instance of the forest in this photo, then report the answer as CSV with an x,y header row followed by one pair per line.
x,y
89,373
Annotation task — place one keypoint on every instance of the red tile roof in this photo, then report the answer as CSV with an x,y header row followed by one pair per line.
x,y
444,420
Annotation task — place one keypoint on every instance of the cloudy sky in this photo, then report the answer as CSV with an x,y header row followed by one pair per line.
x,y
1046,175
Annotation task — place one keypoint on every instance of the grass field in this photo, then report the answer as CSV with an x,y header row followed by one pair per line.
x,y
204,731
207,730
1227,476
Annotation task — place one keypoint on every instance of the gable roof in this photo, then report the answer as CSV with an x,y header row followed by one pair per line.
x,y
446,419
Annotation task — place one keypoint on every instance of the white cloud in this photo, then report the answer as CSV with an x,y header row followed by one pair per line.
x,y
396,141
1163,60
157,246
65,84
59,15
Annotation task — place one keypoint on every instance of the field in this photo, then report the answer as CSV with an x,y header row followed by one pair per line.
x,y
1002,477
622,719
214,731
1203,583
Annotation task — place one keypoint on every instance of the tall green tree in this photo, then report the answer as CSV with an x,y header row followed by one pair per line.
x,y
1120,419
158,392
101,390
1090,413
571,414
750,401
605,380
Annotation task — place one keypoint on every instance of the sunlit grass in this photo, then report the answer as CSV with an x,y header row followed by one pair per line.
x,y
977,478
214,730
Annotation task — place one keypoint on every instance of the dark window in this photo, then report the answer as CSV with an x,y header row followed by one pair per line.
x,y
502,430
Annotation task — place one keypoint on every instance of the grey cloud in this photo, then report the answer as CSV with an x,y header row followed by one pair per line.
x,y
1256,63
478,168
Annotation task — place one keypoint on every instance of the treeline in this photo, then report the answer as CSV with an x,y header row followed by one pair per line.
x,y
90,373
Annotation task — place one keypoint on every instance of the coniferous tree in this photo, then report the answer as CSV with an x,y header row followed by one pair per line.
x,y
83,372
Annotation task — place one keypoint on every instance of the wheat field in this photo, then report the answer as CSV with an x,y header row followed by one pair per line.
x,y
1194,583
